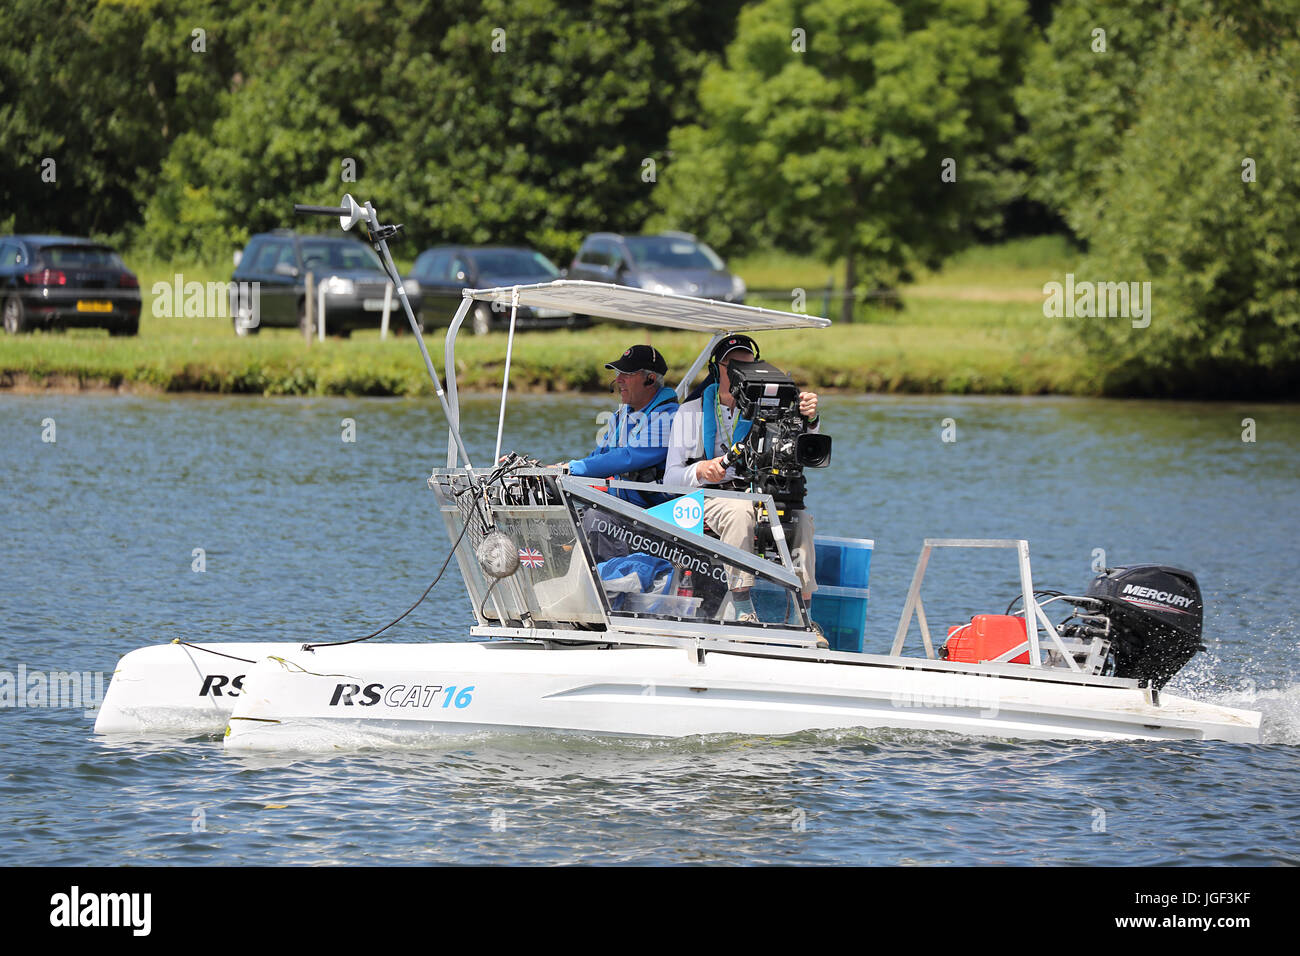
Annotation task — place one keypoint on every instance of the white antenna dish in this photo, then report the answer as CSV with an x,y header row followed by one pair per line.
x,y
354,215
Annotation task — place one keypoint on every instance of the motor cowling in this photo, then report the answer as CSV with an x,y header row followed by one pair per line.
x,y
1155,614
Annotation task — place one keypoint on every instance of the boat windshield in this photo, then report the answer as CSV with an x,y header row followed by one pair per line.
x,y
589,560
646,571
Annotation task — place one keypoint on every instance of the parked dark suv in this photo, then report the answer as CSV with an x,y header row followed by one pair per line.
x,y
59,282
353,278
444,271
669,262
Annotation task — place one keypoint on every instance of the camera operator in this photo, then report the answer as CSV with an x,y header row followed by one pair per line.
x,y
703,431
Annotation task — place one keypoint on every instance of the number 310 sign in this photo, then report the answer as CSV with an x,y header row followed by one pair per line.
x,y
686,512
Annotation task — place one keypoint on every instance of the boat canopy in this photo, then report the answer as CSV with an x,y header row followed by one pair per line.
x,y
619,302
643,307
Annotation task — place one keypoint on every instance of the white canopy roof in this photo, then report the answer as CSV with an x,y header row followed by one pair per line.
x,y
643,307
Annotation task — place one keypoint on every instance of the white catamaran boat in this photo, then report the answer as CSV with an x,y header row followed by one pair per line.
x,y
589,622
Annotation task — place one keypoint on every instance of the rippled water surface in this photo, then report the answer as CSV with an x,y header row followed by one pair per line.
x,y
305,536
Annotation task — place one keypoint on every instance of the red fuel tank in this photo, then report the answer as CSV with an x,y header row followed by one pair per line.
x,y
986,636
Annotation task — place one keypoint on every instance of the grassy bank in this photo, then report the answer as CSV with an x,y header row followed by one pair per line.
x,y
975,327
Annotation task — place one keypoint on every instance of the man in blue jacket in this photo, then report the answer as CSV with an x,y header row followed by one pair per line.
x,y
634,444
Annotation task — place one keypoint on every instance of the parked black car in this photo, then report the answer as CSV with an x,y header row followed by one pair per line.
x,y
353,277
58,282
669,262
444,271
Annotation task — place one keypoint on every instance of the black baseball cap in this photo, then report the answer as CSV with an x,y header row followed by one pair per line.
x,y
730,344
640,357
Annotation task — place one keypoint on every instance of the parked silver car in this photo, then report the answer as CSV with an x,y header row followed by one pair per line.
x,y
444,271
669,262
349,273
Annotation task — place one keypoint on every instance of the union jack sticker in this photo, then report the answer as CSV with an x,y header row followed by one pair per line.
x,y
531,558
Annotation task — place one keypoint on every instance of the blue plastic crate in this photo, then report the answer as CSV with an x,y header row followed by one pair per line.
x,y
842,614
843,562
771,603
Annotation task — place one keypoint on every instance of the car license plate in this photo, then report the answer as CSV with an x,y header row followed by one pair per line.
x,y
372,305
94,305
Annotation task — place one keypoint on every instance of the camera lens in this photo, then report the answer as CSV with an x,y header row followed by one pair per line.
x,y
813,451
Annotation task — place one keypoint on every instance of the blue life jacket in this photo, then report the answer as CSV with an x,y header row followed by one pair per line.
x,y
631,453
709,419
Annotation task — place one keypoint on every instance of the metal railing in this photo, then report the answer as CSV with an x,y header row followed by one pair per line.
x,y
825,297
1034,614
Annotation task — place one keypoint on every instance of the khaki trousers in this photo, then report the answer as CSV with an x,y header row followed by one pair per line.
x,y
732,519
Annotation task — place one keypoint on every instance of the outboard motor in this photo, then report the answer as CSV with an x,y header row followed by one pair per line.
x,y
1155,617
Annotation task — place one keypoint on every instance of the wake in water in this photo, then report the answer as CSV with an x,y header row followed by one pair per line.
x,y
1213,680
1279,705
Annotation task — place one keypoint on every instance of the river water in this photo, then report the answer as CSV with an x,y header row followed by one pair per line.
x,y
302,535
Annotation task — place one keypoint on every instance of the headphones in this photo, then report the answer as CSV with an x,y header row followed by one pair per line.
x,y
726,345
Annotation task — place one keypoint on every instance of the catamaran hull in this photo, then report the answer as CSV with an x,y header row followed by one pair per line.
x,y
179,688
412,694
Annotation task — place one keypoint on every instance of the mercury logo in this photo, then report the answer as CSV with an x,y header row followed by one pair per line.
x,y
102,909
1154,595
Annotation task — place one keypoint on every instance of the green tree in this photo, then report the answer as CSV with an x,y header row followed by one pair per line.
x,y
103,89
499,121
1199,198
1080,93
294,112
833,122
1140,115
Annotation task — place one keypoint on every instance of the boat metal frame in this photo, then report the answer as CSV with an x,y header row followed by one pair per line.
x,y
1034,613
621,303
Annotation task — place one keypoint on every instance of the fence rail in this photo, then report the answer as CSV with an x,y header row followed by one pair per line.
x,y
823,298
